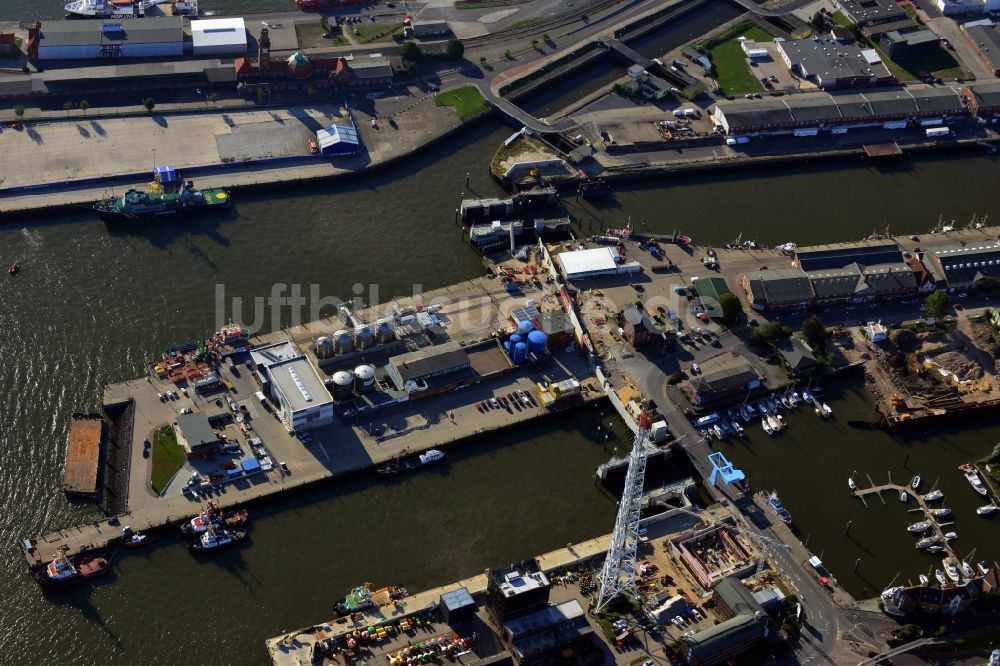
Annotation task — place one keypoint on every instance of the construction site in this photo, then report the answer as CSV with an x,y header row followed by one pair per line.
x,y
940,370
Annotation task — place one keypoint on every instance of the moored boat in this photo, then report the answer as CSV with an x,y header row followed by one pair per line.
x,y
935,550
927,542
950,536
972,476
131,539
15,268
767,427
941,513
400,466
781,421
951,570
215,539
983,566
986,509
778,507
924,580
774,423
904,496
63,571
163,197
915,482
827,412
851,484
940,577
934,496
363,598
967,570
918,528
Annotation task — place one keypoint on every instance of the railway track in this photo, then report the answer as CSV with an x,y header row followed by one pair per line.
x,y
541,26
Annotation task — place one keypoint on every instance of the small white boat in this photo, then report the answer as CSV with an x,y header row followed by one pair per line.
x,y
927,542
972,476
934,496
935,550
983,566
432,455
951,569
767,427
806,395
774,423
718,431
737,428
940,577
750,410
851,484
918,528
762,407
915,483
950,536
941,513
987,509
786,402
827,412
782,421
967,570
924,580
793,398
904,496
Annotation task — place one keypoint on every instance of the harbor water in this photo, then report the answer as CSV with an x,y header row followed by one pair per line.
x,y
94,303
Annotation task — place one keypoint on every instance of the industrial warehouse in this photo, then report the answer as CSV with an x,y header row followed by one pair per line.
x,y
805,114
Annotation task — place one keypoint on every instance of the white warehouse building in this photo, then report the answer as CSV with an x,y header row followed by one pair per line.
x,y
135,38
222,36
294,386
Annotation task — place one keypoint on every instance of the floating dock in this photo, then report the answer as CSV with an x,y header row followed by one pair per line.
x,y
83,454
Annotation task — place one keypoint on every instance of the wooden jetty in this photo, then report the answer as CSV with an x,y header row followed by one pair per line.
x,y
936,527
82,455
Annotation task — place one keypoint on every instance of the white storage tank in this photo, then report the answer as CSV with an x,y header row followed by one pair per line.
x,y
364,377
364,338
343,342
343,383
324,347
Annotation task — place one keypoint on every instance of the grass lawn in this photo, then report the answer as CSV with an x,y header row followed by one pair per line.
x,y
310,35
937,63
167,458
729,63
839,18
376,32
467,101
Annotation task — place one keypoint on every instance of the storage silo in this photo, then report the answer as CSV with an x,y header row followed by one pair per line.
x,y
525,327
536,343
513,340
520,353
343,342
364,338
384,332
364,377
324,347
343,382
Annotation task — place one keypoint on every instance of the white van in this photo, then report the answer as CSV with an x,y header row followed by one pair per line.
x,y
678,113
691,113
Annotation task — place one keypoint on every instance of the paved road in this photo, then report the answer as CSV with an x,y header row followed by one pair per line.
x,y
948,29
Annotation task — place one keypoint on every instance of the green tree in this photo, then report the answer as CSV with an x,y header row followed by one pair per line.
x,y
261,94
19,111
214,99
410,52
410,68
455,49
769,334
731,309
584,18
818,22
936,305
545,37
149,103
311,91
996,454
325,23
534,43
814,331
67,106
506,54
84,105
482,60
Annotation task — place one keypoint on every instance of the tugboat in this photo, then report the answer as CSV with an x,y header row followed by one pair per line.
x,y
217,539
362,598
398,467
63,572
15,268
132,539
163,197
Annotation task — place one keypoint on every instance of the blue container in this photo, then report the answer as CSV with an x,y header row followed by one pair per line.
x,y
536,343
511,342
520,353
525,327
